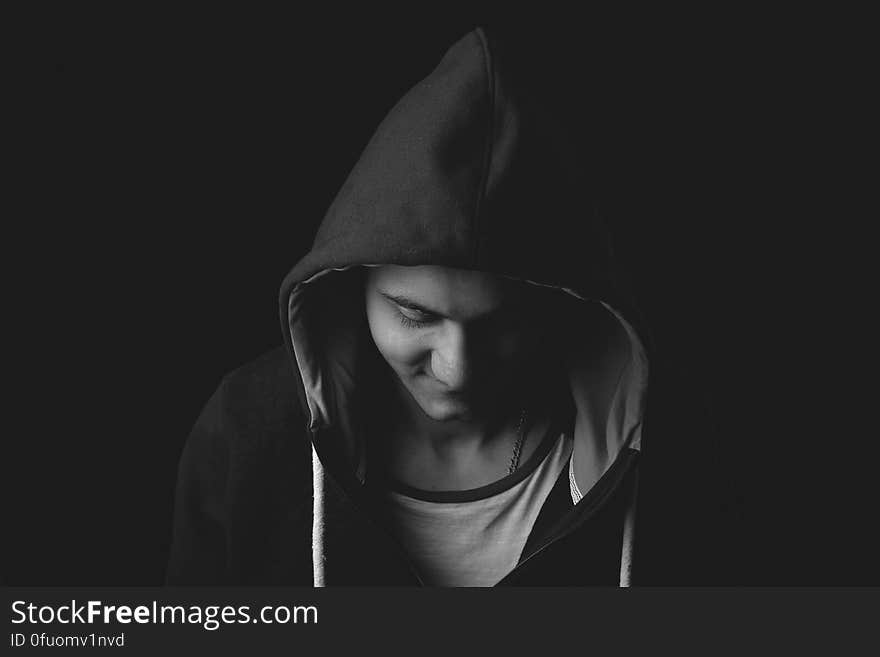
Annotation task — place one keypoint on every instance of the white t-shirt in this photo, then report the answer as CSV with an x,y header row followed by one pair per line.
x,y
475,538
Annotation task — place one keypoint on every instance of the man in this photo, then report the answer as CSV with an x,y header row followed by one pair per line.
x,y
464,395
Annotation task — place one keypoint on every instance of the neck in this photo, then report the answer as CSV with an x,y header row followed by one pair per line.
x,y
477,431
451,455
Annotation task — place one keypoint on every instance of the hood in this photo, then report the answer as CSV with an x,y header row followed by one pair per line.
x,y
465,171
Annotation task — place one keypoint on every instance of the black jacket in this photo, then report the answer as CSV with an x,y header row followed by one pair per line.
x,y
466,171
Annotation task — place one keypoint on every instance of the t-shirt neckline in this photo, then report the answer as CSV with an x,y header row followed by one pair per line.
x,y
482,492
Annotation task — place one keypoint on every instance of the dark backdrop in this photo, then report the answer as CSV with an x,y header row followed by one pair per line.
x,y
193,156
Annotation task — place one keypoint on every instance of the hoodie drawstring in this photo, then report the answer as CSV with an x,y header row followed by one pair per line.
x,y
629,530
317,520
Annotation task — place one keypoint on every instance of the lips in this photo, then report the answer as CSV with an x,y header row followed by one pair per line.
x,y
435,387
459,397
453,395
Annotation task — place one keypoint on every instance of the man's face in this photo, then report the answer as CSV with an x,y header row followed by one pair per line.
x,y
457,339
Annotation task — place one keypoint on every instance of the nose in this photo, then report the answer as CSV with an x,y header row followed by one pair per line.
x,y
450,361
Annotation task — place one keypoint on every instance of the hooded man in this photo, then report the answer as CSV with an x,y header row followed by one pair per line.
x,y
463,398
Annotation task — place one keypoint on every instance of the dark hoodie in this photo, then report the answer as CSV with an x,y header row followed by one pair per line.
x,y
464,172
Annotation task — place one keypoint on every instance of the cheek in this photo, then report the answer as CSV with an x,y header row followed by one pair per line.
x,y
398,346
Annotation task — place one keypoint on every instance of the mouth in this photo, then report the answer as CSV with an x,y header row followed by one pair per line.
x,y
462,395
437,389
460,398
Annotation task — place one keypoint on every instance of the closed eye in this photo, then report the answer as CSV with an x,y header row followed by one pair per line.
x,y
414,319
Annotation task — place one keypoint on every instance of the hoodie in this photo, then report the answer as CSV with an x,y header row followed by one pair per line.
x,y
466,171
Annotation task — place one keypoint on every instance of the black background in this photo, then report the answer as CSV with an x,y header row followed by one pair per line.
x,y
193,156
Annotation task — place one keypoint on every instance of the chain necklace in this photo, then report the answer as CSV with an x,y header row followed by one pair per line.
x,y
517,446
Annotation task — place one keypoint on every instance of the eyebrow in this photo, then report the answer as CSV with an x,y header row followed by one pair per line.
x,y
406,302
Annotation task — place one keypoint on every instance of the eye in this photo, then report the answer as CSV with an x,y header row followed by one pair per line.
x,y
418,321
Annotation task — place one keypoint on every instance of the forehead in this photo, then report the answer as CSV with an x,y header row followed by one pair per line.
x,y
452,292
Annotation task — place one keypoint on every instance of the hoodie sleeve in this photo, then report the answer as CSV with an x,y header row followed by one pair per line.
x,y
198,547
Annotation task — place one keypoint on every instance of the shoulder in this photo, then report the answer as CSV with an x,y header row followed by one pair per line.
x,y
267,383
256,407
263,390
